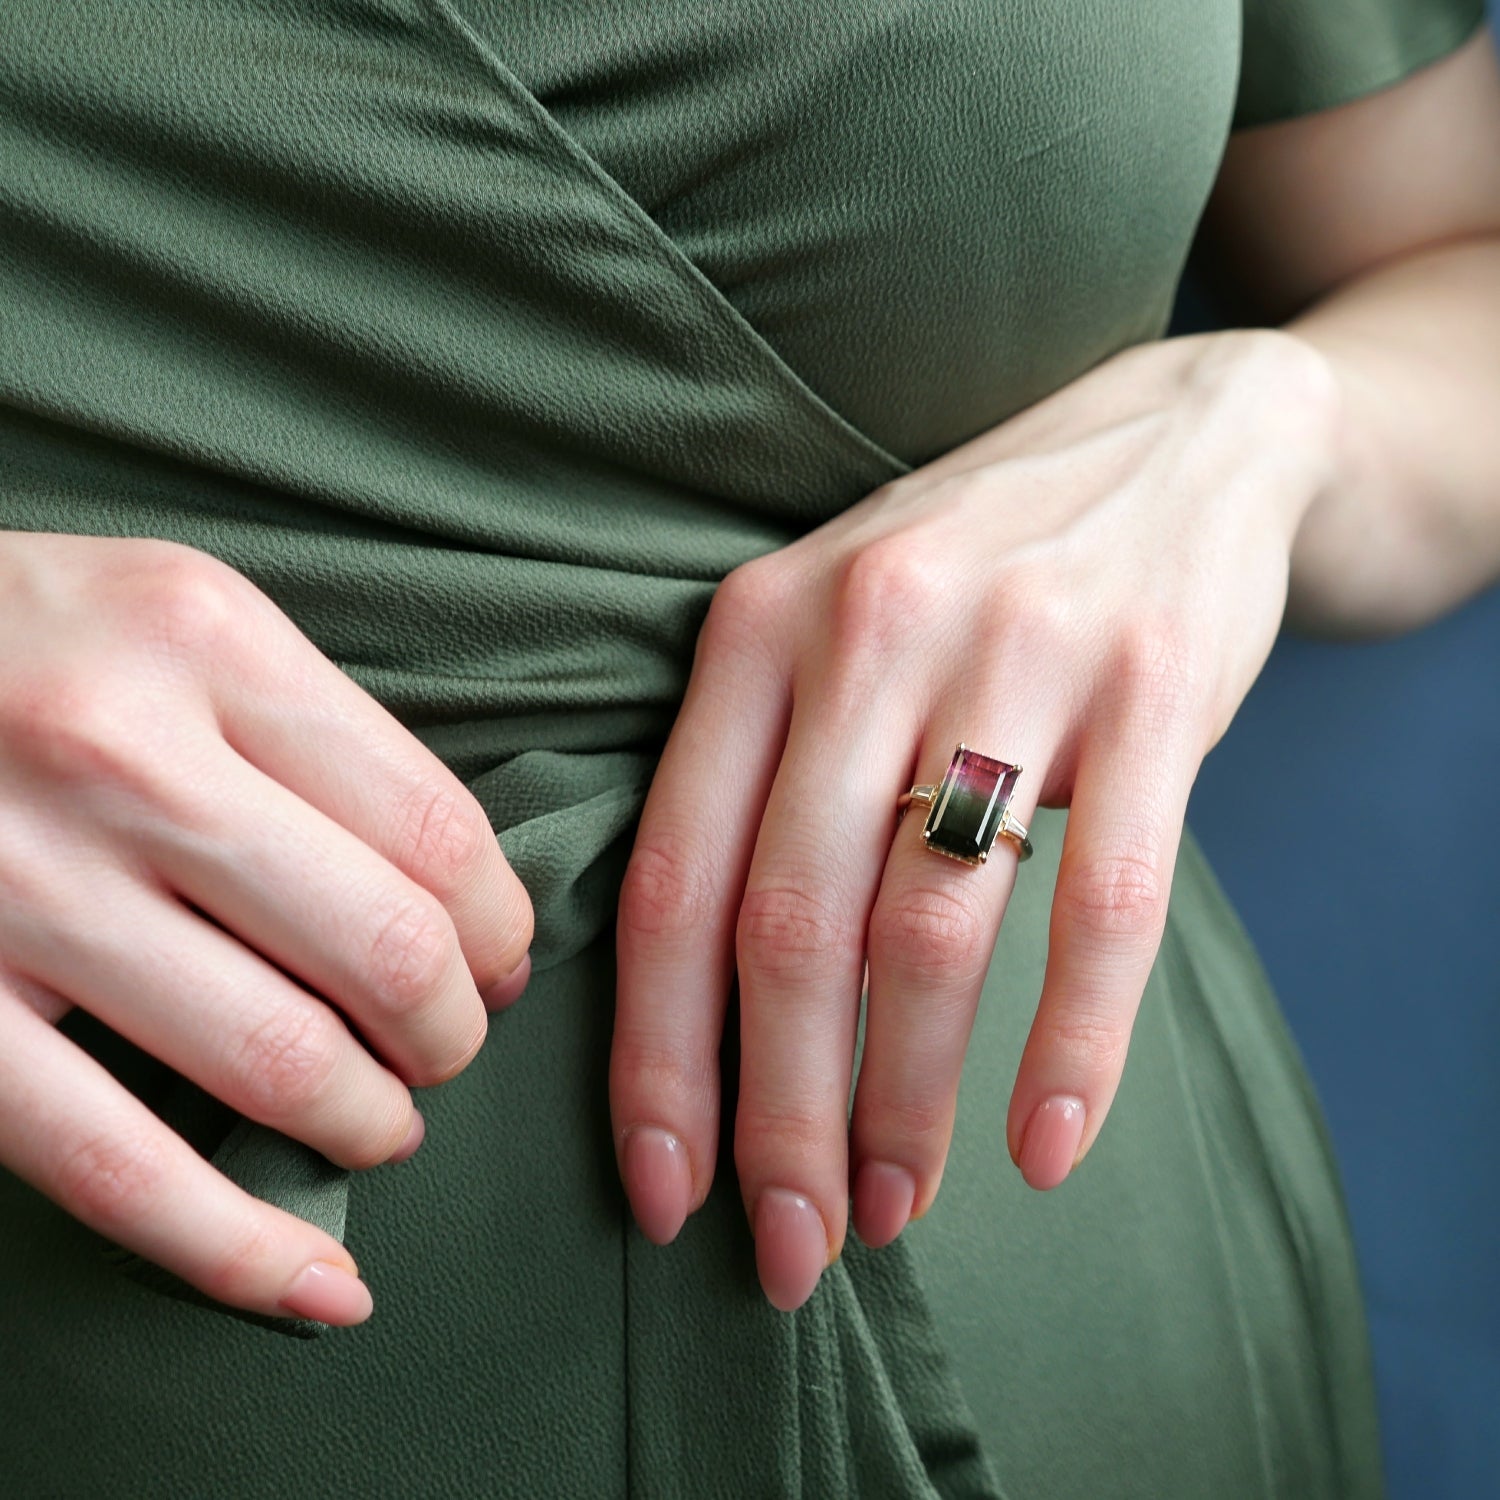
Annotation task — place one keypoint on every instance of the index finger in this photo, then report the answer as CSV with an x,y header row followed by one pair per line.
x,y
677,909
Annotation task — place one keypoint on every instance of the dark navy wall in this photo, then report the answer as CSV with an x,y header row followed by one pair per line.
x,y
1353,814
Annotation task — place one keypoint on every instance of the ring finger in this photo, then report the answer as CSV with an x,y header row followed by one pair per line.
x,y
931,935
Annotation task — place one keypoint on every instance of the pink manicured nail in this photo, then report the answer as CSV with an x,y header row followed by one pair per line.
x,y
328,1294
658,1180
1049,1146
883,1195
791,1247
508,990
414,1138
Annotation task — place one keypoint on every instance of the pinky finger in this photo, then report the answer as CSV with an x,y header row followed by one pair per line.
x,y
1109,909
78,1136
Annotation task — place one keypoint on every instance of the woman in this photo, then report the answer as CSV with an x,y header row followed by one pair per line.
x,y
394,392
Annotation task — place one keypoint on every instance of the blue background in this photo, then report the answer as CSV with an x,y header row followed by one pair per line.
x,y
1352,812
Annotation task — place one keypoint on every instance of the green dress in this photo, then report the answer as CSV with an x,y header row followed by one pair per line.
x,y
487,337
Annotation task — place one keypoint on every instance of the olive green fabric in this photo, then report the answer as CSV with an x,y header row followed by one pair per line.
x,y
487,339
1305,55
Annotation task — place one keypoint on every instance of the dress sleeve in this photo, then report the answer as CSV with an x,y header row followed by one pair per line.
x,y
1305,55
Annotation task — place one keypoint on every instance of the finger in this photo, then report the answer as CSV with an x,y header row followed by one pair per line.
x,y
932,933
675,934
800,948
1109,908
292,713
299,888
78,1136
195,997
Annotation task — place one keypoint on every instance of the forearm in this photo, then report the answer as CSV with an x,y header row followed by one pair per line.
x,y
1409,524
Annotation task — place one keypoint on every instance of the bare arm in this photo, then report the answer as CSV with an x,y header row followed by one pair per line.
x,y
1375,230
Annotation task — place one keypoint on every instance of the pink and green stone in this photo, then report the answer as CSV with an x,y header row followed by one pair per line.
x,y
969,803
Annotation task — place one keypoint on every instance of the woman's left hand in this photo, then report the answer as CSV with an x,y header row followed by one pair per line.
x,y
1088,590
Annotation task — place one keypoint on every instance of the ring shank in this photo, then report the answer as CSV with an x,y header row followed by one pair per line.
x,y
1015,830
1011,827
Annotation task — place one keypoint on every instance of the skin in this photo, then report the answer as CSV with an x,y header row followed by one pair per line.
x,y
1129,546
1089,588
193,800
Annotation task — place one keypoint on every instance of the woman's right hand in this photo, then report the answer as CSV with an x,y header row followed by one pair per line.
x,y
218,845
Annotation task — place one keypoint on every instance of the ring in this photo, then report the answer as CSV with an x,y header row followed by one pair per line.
x,y
970,808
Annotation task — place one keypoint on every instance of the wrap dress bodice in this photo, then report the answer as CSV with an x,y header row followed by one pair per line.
x,y
486,337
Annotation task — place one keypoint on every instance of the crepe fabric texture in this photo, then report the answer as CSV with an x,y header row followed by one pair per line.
x,y
487,337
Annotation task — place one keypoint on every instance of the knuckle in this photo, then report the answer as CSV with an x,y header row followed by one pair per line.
x,y
782,929
1034,620
909,1117
112,1180
930,931
518,923
682,1078
410,954
744,614
667,891
789,1142
443,837
374,1143
425,1077
189,602
239,1271
75,728
1123,895
1090,1045
882,593
752,591
281,1068
1156,668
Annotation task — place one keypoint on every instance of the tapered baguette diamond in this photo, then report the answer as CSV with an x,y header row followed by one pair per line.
x,y
966,811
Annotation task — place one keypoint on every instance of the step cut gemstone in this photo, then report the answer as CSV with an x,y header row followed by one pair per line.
x,y
969,804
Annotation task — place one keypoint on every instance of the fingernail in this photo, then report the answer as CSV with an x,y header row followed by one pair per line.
x,y
508,990
328,1294
414,1138
883,1196
791,1247
1049,1145
658,1180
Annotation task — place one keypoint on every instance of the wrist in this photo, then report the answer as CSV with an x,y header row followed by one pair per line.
x,y
1287,397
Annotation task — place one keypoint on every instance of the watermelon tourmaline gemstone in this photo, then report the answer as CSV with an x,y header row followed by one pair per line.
x,y
969,803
